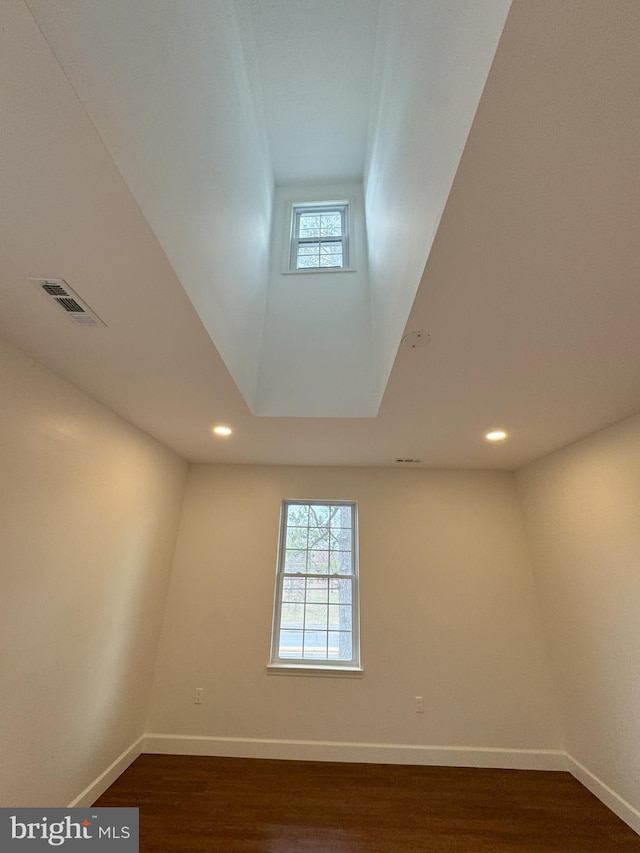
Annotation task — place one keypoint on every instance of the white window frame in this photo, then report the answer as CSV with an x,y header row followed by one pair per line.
x,y
300,208
316,666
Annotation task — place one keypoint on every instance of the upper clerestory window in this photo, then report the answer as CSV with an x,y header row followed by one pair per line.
x,y
319,237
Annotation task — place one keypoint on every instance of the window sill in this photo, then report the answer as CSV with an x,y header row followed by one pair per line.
x,y
316,270
326,671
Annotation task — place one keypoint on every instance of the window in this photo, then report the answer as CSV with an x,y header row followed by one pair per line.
x,y
320,237
316,606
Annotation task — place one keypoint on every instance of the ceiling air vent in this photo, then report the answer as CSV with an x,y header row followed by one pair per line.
x,y
58,291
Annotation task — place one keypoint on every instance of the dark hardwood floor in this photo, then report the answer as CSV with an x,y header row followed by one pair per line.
x,y
240,805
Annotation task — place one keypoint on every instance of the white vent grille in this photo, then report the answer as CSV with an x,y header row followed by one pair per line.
x,y
57,290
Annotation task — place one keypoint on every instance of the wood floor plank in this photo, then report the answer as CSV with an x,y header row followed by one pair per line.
x,y
239,805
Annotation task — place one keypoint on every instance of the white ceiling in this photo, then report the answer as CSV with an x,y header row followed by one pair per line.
x,y
530,292
315,64
183,85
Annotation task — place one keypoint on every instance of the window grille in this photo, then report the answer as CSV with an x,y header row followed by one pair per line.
x,y
319,237
316,606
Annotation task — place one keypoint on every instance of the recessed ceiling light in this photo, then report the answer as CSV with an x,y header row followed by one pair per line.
x,y
222,430
495,435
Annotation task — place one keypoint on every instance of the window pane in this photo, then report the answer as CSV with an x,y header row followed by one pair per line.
x,y
319,515
341,562
340,591
330,261
340,617
296,537
331,254
295,561
318,539
309,225
327,224
318,562
315,617
290,644
293,589
340,645
312,255
298,515
308,257
341,516
340,539
318,591
315,644
330,225
292,616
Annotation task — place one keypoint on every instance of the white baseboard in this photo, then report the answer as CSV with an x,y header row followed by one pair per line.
x,y
370,753
603,792
109,776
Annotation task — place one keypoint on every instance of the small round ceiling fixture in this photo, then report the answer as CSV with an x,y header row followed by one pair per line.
x,y
222,430
496,435
415,340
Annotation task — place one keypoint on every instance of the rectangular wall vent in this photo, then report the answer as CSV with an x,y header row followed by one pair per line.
x,y
57,290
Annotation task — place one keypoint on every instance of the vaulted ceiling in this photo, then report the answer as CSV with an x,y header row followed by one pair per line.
x,y
141,149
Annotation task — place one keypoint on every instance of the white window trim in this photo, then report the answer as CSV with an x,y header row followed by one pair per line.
x,y
324,671
322,666
347,241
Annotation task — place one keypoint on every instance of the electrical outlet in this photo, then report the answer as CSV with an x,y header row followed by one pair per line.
x,y
199,696
419,705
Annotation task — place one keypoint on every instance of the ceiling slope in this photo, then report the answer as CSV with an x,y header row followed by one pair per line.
x,y
172,90
432,61
65,212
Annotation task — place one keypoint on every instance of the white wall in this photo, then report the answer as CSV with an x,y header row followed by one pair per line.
x,y
448,612
316,355
88,515
582,506
432,61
